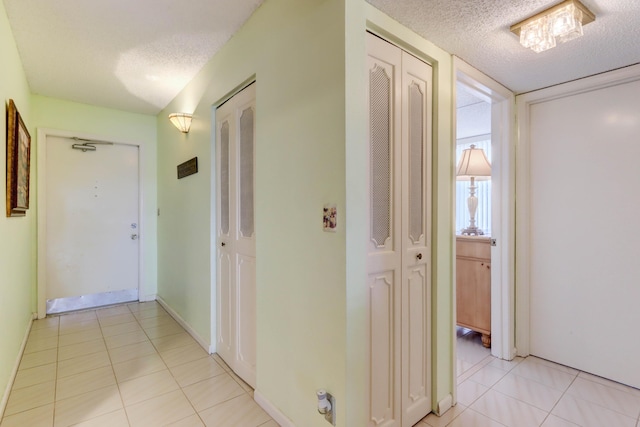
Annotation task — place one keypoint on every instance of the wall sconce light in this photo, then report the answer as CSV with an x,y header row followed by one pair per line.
x,y
562,22
473,166
182,121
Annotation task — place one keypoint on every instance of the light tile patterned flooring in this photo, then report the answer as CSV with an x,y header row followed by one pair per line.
x,y
532,392
126,365
133,365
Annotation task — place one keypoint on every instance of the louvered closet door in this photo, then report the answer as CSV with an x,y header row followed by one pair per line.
x,y
236,255
416,229
384,261
398,246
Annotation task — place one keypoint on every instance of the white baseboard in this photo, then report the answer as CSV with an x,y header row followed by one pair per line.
x,y
444,405
270,409
185,325
147,298
14,372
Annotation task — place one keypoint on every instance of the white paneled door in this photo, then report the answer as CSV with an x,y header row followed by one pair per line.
x,y
236,237
92,230
582,241
399,294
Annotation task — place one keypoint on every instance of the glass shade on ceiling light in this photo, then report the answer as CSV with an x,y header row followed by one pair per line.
x,y
536,35
566,23
559,23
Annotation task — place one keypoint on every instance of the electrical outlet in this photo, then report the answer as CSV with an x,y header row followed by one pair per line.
x,y
331,415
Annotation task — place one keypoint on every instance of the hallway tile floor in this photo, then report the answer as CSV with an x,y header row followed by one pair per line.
x,y
532,392
134,365
126,365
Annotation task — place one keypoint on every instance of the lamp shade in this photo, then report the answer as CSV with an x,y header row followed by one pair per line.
x,y
473,164
181,120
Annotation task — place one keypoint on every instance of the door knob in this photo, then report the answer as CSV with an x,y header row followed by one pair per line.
x,y
134,237
419,256
223,244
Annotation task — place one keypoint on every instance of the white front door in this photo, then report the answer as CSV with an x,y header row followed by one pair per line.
x,y
236,237
92,230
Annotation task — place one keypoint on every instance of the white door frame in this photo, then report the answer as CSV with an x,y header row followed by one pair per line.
x,y
42,135
523,232
503,205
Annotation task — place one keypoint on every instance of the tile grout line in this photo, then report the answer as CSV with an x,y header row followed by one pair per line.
x,y
597,403
137,320
196,412
216,362
55,386
171,373
564,393
124,408
180,387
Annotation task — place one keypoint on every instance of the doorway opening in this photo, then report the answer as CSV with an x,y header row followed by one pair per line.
x,y
485,263
473,254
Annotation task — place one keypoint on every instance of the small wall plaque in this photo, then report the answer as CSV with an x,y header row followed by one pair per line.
x,y
329,217
188,168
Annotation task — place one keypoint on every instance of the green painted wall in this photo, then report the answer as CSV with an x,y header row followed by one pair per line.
x,y
17,235
119,126
308,58
295,49
18,241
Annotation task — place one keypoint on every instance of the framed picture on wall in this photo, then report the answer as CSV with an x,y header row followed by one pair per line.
x,y
18,162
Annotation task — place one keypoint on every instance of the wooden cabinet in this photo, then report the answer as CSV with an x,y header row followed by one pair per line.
x,y
473,282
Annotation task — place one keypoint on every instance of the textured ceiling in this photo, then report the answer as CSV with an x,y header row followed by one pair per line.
x,y
478,32
473,116
132,55
136,55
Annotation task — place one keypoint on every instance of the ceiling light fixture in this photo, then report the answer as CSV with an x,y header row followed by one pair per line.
x,y
182,121
562,22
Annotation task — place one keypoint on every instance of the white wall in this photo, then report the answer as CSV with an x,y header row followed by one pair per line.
x,y
579,251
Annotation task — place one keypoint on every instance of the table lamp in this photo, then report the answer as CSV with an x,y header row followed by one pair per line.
x,y
473,166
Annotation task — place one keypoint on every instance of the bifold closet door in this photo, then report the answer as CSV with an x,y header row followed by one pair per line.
x,y
236,254
398,248
416,237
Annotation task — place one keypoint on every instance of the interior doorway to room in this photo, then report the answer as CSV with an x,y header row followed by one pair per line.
x,y
485,119
473,229
90,215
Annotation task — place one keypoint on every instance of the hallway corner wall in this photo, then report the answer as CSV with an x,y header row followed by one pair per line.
x,y
295,51
117,126
17,234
